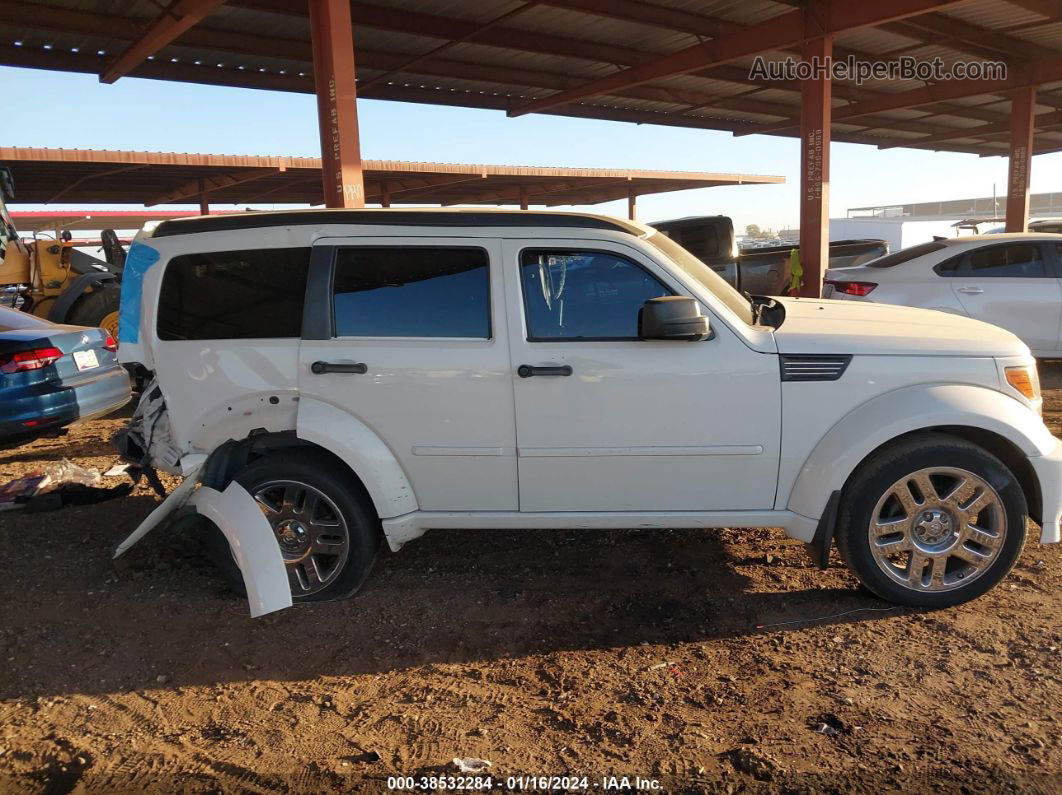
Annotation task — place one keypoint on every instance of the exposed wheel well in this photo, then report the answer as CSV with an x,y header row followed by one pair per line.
x,y
1002,448
232,456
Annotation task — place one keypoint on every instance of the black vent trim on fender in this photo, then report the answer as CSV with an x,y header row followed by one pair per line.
x,y
814,367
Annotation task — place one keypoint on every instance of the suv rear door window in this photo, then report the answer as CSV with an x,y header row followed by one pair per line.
x,y
584,294
412,292
1015,260
234,295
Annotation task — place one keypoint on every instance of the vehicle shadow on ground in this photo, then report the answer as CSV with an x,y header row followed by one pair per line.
x,y
63,445
81,625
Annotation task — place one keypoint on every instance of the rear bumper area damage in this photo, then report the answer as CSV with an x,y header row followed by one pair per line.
x,y
147,442
252,543
250,538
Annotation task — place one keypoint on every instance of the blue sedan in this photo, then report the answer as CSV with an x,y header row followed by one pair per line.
x,y
52,376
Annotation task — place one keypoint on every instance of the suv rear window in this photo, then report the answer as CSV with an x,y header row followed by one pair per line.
x,y
234,295
411,292
905,255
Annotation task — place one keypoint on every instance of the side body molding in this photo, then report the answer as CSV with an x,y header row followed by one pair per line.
x,y
357,444
893,414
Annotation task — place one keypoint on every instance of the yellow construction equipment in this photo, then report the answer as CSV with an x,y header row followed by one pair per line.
x,y
50,278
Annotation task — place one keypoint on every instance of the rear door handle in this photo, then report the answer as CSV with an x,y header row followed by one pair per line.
x,y
357,368
528,370
971,290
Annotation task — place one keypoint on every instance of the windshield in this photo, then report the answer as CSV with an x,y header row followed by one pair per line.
x,y
708,278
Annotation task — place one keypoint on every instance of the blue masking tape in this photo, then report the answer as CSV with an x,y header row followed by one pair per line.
x,y
138,262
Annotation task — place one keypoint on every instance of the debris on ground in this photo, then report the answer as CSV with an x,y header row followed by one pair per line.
x,y
15,493
472,765
828,725
58,484
62,472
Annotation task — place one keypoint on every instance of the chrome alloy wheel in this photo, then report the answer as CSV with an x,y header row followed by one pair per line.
x,y
937,529
311,532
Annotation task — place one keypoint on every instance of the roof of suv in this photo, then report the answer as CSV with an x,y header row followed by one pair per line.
x,y
421,216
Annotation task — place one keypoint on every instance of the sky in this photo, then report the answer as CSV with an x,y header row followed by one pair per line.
x,y
74,111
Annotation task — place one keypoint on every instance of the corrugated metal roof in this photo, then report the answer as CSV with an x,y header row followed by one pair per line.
x,y
82,176
549,46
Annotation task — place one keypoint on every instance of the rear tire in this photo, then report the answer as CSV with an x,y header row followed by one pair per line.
x,y
322,519
932,521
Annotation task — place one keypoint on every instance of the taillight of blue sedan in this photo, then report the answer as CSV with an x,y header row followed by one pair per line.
x,y
52,376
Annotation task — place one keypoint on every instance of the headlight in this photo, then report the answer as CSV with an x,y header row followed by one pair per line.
x,y
1024,379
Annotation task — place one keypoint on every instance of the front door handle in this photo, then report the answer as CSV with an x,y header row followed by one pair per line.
x,y
528,370
320,368
971,290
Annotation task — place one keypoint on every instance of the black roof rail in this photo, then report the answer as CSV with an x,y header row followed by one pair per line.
x,y
261,220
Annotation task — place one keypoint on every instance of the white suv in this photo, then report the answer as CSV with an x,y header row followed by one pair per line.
x,y
327,379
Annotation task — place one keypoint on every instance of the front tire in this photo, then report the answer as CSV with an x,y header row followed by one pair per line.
x,y
322,520
933,521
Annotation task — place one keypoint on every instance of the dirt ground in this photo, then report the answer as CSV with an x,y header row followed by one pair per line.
x,y
664,655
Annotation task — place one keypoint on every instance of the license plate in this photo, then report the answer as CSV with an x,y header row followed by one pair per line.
x,y
827,290
86,360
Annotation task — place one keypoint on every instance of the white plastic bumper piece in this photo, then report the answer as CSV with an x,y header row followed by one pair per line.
x,y
174,500
253,544
1048,469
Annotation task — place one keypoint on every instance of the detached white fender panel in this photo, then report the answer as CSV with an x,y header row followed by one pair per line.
x,y
358,445
253,544
245,527
895,413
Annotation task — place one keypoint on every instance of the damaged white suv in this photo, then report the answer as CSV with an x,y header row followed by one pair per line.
x,y
327,379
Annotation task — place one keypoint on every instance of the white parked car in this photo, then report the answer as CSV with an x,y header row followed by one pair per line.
x,y
1010,280
328,379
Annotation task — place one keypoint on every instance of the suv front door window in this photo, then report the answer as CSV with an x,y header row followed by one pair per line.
x,y
584,294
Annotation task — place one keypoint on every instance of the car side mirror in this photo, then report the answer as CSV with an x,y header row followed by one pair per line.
x,y
673,317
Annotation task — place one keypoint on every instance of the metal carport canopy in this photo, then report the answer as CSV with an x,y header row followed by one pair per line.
x,y
48,176
605,59
672,62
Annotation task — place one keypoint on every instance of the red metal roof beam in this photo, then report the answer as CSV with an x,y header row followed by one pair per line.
x,y
780,32
1051,9
1031,74
1044,121
179,17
